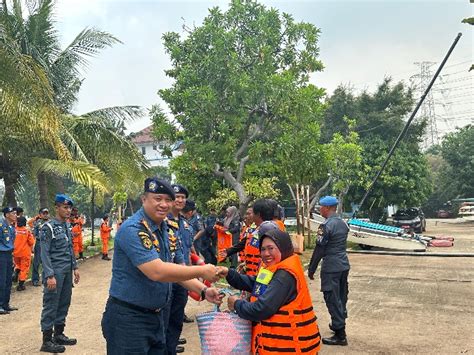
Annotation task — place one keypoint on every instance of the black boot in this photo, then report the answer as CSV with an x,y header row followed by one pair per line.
x,y
48,345
106,257
81,255
339,338
21,286
60,338
15,275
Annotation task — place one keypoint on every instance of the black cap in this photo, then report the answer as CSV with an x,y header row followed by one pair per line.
x,y
189,206
180,189
43,210
265,227
158,186
8,210
18,209
281,239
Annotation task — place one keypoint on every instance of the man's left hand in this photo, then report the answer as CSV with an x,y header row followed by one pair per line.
x,y
231,302
77,277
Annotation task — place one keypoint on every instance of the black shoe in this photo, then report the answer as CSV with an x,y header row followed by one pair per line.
x,y
339,338
15,275
106,257
60,338
36,283
3,311
21,286
186,319
180,349
181,341
10,308
48,345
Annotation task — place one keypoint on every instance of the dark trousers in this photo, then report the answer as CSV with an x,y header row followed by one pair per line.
x,y
209,253
56,302
128,331
6,271
36,262
335,288
234,258
174,316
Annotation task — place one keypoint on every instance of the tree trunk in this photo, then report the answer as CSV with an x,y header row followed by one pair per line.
x,y
10,196
317,195
4,4
59,182
341,196
92,215
43,189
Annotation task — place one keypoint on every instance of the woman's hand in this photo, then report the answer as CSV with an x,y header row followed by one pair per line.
x,y
223,271
213,296
231,302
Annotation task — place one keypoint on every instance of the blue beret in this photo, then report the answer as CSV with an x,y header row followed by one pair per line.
x,y
63,198
8,210
328,201
180,189
159,186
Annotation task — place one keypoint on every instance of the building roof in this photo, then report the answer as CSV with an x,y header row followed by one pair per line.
x,y
144,136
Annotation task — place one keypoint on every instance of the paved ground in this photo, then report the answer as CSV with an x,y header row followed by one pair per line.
x,y
397,305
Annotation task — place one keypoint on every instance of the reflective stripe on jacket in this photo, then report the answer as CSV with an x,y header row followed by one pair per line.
x,y
293,329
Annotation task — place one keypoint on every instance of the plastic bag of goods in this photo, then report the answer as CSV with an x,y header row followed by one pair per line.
x,y
224,333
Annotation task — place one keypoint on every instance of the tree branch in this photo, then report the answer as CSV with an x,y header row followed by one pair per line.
x,y
292,192
217,171
242,163
318,193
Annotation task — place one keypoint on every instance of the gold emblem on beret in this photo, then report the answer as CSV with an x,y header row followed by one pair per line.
x,y
152,186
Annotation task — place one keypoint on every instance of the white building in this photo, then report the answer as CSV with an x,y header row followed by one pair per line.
x,y
152,149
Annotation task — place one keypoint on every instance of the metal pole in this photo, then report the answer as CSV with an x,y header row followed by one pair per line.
x,y
405,129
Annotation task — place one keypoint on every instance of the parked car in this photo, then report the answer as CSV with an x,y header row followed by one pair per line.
x,y
410,218
444,214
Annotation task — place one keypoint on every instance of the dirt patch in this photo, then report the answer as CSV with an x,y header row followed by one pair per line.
x,y
421,305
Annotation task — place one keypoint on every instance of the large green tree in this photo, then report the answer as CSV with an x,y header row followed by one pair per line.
x,y
380,117
238,79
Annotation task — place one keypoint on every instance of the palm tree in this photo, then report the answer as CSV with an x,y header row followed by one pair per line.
x,y
86,146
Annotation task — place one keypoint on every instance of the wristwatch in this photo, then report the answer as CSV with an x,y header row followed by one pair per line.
x,y
203,293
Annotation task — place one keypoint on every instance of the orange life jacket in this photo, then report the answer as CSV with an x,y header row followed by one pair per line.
x,y
224,240
280,224
294,327
252,253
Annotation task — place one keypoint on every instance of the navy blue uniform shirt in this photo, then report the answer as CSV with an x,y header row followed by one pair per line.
x,y
7,236
133,247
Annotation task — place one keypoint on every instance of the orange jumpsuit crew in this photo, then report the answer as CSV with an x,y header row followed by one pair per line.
x,y
105,235
24,242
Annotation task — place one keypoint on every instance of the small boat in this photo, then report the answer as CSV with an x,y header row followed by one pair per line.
x,y
368,235
466,211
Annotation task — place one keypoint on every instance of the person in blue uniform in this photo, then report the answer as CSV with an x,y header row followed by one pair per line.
x,y
179,297
142,277
7,239
194,219
43,217
59,265
331,249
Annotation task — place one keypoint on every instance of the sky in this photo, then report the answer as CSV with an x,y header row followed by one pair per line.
x,y
361,42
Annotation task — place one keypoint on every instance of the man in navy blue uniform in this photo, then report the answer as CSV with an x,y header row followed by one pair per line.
x,y
7,238
42,219
331,248
59,265
142,277
179,297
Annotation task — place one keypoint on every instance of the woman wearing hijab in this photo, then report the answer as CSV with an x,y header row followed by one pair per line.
x,y
280,306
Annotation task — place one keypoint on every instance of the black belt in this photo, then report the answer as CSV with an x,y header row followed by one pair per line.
x,y
134,307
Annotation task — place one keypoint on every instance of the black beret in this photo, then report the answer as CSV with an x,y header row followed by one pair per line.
x,y
8,210
189,206
159,186
43,210
180,189
18,209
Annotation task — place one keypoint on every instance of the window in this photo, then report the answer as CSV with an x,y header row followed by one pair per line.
x,y
143,150
154,146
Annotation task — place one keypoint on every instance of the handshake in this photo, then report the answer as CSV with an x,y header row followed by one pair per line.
x,y
213,273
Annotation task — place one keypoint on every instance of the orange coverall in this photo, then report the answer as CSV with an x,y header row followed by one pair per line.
x,y
24,242
77,237
105,235
224,240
